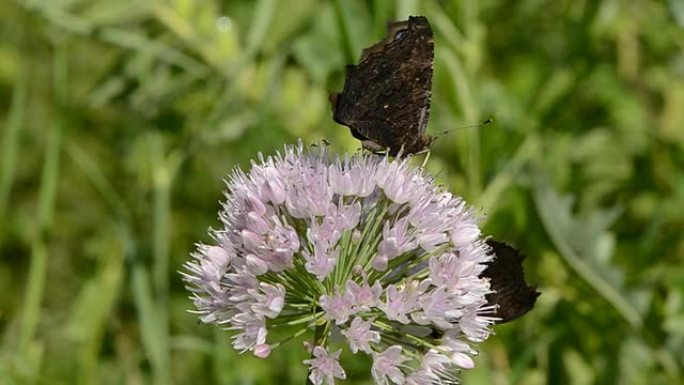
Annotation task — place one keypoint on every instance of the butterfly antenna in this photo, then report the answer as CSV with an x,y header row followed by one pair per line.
x,y
468,126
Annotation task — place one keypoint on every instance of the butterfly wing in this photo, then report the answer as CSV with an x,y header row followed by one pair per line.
x,y
507,279
386,97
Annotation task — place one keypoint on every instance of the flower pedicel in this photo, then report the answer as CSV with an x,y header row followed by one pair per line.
x,y
364,246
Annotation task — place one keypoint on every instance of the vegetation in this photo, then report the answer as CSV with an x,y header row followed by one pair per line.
x,y
123,116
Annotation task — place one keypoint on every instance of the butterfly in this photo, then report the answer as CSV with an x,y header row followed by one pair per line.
x,y
385,101
510,294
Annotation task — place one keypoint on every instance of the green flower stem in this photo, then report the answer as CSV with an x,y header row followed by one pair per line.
x,y
365,254
361,248
342,267
313,317
389,328
409,261
293,336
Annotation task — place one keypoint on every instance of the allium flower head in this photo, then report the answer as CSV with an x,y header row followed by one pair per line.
x,y
363,245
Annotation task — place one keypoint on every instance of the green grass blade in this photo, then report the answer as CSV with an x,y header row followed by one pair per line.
x,y
94,173
93,308
406,8
460,84
344,25
10,142
154,338
30,352
46,204
264,11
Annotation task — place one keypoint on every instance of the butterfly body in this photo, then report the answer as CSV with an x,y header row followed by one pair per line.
x,y
386,97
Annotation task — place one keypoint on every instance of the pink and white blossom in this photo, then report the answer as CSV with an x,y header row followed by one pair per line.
x,y
321,262
396,240
386,366
270,300
337,307
359,335
364,297
402,300
325,367
364,246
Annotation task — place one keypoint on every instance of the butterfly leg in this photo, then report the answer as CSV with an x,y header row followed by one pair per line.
x,y
427,157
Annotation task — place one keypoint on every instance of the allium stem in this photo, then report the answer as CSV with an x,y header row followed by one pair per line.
x,y
342,269
366,251
419,341
288,339
405,263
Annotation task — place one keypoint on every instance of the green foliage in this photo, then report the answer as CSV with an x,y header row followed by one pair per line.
x,y
123,116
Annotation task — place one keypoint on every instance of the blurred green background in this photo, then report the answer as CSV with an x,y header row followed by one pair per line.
x,y
120,118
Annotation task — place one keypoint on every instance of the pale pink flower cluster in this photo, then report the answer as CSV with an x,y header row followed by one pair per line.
x,y
364,245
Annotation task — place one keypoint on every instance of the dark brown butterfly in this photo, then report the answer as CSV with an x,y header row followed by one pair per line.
x,y
511,294
386,97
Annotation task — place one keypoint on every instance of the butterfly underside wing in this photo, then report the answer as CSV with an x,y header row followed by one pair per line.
x,y
511,294
386,97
